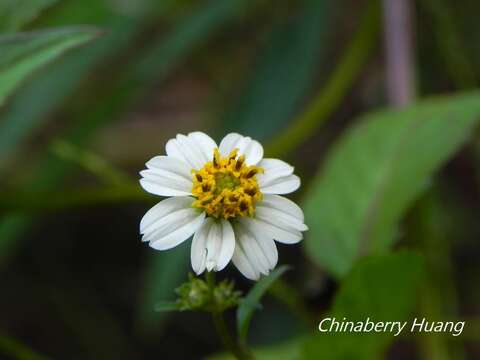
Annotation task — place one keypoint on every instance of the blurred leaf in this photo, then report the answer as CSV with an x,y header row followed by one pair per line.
x,y
382,288
432,226
158,57
188,35
16,13
53,84
251,302
289,350
24,53
337,86
375,172
284,73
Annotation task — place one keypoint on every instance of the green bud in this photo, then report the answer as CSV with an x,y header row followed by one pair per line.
x,y
196,295
225,295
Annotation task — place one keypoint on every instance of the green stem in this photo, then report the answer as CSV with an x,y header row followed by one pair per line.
x,y
228,341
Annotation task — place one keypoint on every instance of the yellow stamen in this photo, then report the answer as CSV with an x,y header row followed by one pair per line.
x,y
226,187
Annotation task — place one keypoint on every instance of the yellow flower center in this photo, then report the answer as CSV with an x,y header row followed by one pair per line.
x,y
226,187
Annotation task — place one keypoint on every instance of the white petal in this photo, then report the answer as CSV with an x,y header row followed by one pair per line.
x,y
252,149
204,143
227,247
165,183
283,185
280,202
162,209
255,253
279,232
273,169
178,229
213,245
258,246
253,153
198,251
228,143
187,150
241,261
170,164
285,212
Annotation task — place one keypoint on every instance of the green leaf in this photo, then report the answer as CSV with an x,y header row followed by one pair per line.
x,y
376,171
16,13
23,53
18,121
252,301
382,288
284,73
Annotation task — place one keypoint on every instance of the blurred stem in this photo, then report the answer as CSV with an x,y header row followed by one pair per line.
x,y
221,327
329,98
14,348
90,162
399,50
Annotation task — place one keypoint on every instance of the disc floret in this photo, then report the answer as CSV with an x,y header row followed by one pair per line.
x,y
226,187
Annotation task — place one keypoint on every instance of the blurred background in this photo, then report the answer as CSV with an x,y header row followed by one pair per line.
x,y
90,90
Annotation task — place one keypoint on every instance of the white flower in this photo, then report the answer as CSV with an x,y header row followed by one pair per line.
x,y
227,197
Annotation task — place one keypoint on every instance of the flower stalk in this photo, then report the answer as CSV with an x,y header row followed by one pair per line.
x,y
230,344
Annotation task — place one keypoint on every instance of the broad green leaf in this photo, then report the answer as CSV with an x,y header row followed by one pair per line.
x,y
375,172
252,301
382,288
16,13
284,73
24,53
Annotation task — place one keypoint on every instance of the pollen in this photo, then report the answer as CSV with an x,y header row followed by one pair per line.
x,y
226,187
